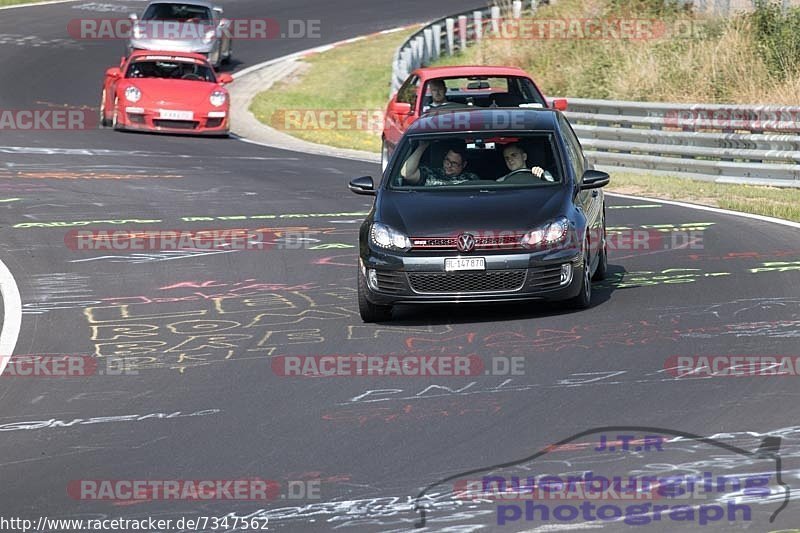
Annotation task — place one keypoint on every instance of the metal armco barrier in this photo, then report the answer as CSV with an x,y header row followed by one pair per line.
x,y
756,144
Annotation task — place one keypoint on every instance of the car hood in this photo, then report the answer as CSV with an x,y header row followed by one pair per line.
x,y
172,92
430,214
176,36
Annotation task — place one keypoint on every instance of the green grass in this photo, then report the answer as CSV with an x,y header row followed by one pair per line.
x,y
14,2
352,77
769,201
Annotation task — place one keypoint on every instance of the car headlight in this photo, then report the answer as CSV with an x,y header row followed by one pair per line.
x,y
209,36
137,31
218,98
383,236
132,94
553,233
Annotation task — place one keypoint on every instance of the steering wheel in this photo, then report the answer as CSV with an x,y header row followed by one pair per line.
x,y
519,176
191,76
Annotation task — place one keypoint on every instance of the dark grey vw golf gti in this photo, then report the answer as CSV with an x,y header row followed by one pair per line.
x,y
485,205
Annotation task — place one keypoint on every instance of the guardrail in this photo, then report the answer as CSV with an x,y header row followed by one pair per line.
x,y
735,141
747,144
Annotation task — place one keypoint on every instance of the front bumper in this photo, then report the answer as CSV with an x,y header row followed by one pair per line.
x,y
174,45
146,119
516,276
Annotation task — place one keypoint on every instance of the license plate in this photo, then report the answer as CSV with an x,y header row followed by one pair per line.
x,y
171,114
464,263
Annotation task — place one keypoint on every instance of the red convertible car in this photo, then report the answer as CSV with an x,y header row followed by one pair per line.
x,y
464,87
170,92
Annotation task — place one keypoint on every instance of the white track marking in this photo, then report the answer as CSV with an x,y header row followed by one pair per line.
x,y
12,315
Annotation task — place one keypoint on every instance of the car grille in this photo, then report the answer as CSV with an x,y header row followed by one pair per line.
x,y
390,280
176,124
544,278
500,242
451,282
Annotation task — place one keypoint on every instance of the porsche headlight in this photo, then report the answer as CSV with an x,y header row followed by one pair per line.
x,y
209,36
383,236
132,94
218,98
553,233
137,31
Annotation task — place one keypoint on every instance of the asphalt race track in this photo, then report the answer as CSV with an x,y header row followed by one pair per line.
x,y
202,397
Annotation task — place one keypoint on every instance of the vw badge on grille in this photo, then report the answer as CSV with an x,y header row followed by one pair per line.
x,y
466,242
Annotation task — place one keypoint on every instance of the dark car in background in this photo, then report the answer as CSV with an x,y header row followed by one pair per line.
x,y
527,235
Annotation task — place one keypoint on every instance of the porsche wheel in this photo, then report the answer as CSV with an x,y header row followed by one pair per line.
x,y
228,55
114,118
104,121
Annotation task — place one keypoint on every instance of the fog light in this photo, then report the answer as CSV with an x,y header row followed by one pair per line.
x,y
566,273
372,279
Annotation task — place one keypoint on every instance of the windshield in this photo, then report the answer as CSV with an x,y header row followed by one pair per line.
x,y
481,91
179,12
477,162
171,69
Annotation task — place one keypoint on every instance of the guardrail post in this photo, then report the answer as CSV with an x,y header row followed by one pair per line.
x,y
517,8
450,23
437,41
405,58
496,20
462,32
478,16
428,36
420,44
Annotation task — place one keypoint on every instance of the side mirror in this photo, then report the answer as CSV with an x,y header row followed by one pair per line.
x,y
559,103
594,179
132,17
217,10
400,108
114,72
225,79
362,185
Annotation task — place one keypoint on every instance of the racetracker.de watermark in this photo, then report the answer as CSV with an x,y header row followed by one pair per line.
x,y
104,29
63,366
121,240
770,118
48,119
126,490
732,366
357,365
609,29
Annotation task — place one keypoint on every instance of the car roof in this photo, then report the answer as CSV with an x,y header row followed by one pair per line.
x,y
486,119
427,73
140,53
202,3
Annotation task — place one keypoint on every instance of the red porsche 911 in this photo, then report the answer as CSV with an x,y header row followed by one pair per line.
x,y
170,92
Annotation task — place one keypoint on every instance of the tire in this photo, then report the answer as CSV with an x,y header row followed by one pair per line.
x,y
384,155
114,121
227,57
584,298
104,121
602,263
369,311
